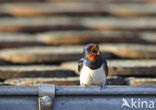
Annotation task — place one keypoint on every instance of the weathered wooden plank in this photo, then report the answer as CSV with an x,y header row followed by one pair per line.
x,y
114,80
17,37
83,37
74,37
38,24
141,81
2,84
69,53
58,81
82,8
124,67
133,68
2,62
149,37
44,54
105,1
34,71
133,51
37,81
8,40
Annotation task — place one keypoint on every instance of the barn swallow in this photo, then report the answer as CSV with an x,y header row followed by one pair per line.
x,y
92,67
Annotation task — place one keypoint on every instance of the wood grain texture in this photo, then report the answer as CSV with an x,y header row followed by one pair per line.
x,y
78,9
124,68
40,24
20,71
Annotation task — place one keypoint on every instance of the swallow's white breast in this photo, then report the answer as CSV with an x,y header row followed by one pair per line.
x,y
92,77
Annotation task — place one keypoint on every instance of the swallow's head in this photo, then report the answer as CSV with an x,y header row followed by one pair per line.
x,y
91,51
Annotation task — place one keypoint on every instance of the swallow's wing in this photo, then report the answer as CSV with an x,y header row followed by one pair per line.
x,y
105,67
80,64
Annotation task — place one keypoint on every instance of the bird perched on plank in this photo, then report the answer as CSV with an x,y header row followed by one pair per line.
x,y
92,67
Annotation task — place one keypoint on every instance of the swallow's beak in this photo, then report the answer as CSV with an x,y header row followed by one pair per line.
x,y
95,50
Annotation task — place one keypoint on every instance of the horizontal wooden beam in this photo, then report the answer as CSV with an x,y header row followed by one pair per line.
x,y
37,81
83,37
116,68
105,1
133,51
43,54
67,53
81,9
34,71
141,81
74,37
58,81
124,67
39,24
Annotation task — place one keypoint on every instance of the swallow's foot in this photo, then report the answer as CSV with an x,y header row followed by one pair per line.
x,y
101,86
83,85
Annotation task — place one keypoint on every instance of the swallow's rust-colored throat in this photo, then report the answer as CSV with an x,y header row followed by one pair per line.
x,y
94,53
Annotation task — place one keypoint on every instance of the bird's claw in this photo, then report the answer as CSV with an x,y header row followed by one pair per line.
x,y
100,85
83,85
